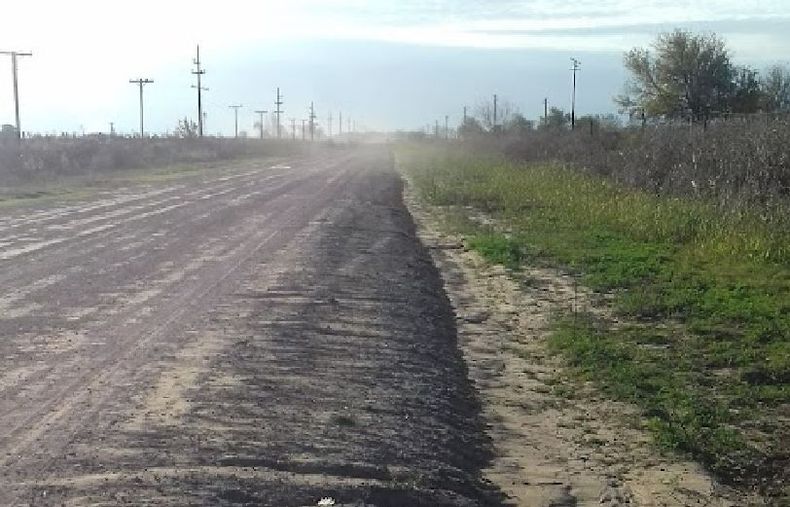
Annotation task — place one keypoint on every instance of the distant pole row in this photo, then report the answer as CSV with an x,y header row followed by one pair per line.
x,y
198,72
576,66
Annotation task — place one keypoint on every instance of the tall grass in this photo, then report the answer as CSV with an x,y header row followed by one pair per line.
x,y
701,226
733,164
44,159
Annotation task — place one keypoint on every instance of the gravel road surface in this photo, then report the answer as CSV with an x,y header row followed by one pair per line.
x,y
264,333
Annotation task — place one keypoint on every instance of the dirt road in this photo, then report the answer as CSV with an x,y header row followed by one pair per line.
x,y
265,334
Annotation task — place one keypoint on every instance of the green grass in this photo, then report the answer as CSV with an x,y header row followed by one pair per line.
x,y
706,292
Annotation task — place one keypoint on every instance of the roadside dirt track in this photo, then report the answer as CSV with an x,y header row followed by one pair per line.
x,y
269,334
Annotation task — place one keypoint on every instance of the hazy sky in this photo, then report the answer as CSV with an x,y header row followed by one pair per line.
x,y
387,64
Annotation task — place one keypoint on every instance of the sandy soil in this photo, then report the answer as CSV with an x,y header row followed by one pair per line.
x,y
260,335
556,442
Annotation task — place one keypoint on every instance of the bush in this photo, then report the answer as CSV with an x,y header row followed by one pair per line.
x,y
42,159
736,163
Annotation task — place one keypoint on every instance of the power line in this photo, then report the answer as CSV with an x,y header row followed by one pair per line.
x,y
236,110
140,82
576,66
261,123
278,102
14,55
199,72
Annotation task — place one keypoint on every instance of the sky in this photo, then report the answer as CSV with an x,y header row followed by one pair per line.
x,y
399,64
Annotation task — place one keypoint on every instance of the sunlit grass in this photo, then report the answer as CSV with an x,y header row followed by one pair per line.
x,y
706,291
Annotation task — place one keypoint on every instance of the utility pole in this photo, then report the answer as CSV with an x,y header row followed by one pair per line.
x,y
545,111
199,72
436,129
464,123
312,122
446,128
349,126
261,113
112,129
293,129
340,123
303,122
495,111
576,66
14,55
140,82
330,124
278,111
236,110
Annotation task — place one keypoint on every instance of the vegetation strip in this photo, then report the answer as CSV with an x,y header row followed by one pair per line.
x,y
700,323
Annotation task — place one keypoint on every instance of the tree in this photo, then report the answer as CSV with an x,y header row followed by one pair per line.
x,y
686,76
186,128
470,128
557,119
776,89
485,113
598,122
747,97
519,125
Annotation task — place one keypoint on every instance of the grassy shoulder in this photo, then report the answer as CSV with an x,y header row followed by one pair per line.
x,y
699,334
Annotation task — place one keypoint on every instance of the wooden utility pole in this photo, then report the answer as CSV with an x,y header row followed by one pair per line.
x,y
15,73
261,113
312,122
278,102
495,111
236,110
140,82
576,66
199,73
545,111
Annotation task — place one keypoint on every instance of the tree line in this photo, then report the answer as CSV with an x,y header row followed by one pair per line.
x,y
681,76
693,77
